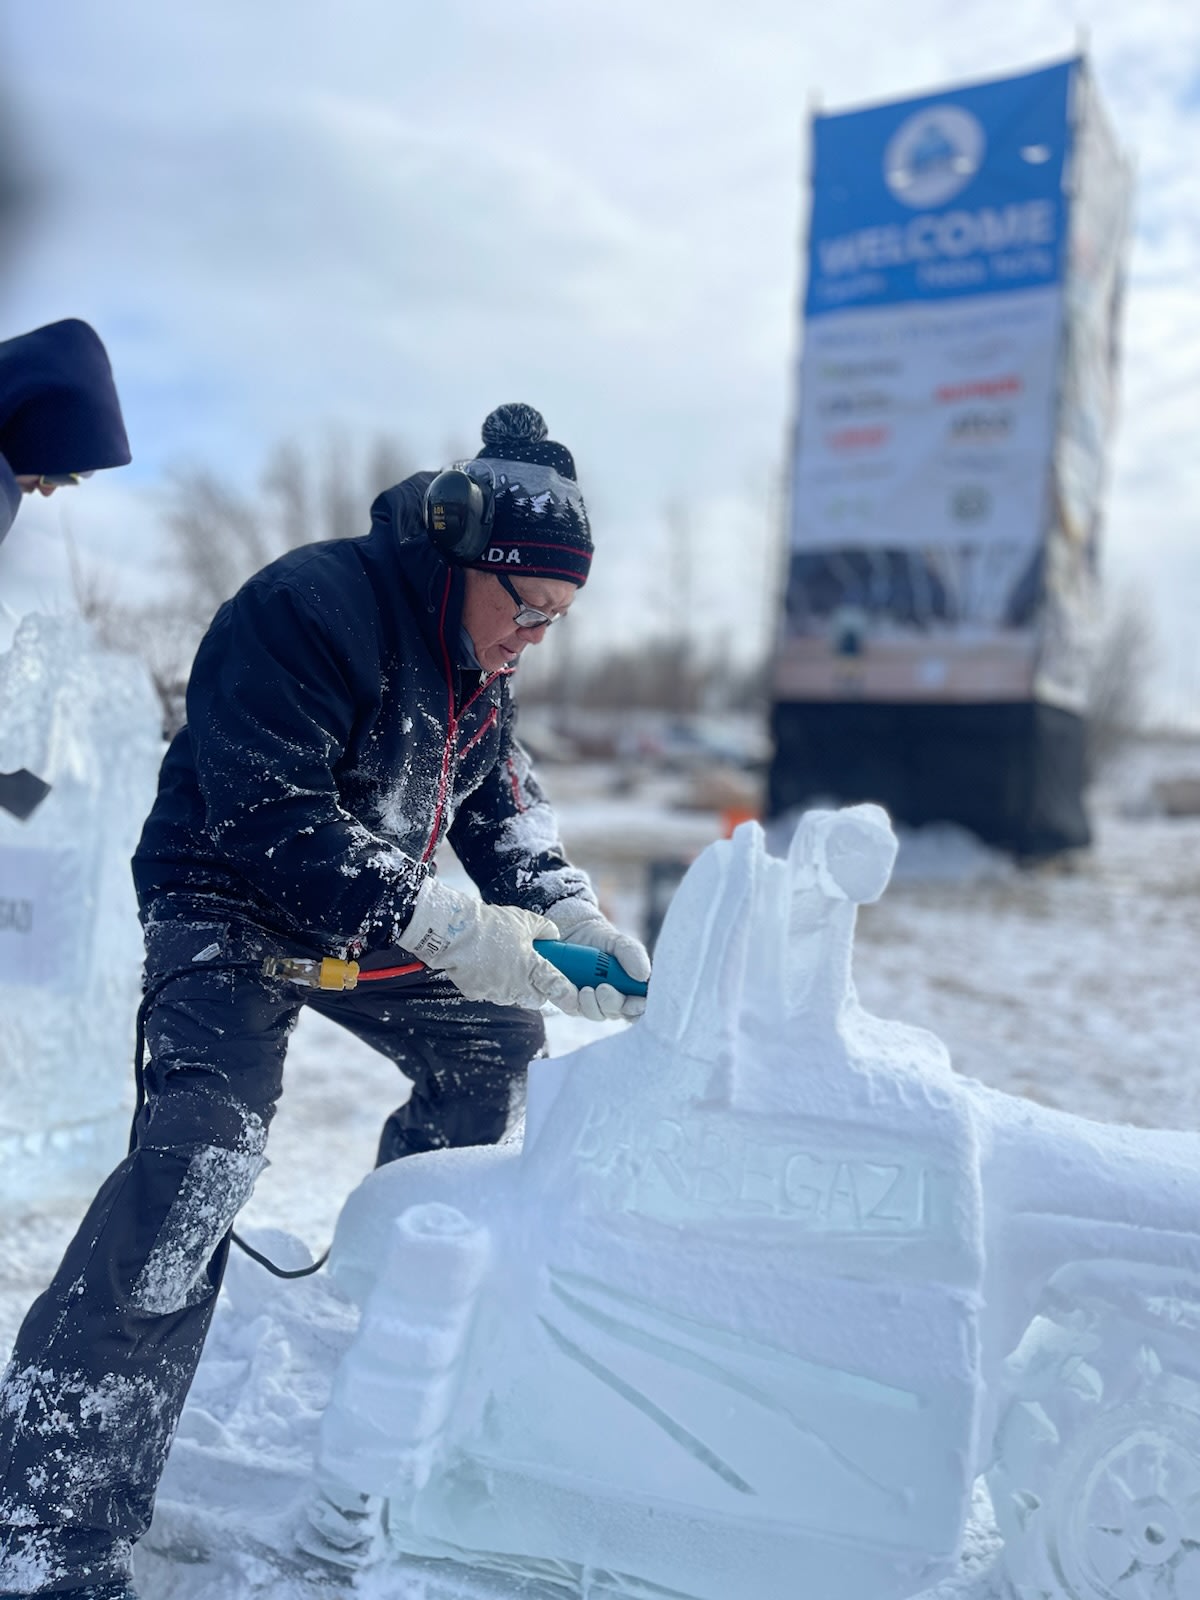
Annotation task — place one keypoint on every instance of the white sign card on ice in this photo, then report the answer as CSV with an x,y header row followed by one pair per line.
x,y
40,890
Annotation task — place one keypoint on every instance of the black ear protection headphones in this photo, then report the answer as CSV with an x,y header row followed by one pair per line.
x,y
459,511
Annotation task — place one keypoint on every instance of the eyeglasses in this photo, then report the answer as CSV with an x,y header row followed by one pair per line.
x,y
60,480
527,616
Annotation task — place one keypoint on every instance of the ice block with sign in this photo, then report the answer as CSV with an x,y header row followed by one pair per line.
x,y
80,745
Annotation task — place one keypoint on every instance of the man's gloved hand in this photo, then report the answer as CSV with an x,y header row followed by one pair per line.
x,y
486,950
581,922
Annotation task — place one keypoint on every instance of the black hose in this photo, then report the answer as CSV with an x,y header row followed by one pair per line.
x,y
149,996
279,1272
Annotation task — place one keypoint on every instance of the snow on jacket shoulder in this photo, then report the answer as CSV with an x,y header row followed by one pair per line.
x,y
332,741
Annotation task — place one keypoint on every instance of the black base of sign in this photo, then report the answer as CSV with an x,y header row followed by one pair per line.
x,y
1013,773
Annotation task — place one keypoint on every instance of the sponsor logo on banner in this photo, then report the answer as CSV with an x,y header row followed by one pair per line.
x,y
844,440
853,470
970,502
858,403
954,394
933,155
858,371
981,427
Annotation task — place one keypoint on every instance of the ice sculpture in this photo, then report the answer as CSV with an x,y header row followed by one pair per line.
x,y
765,1288
80,745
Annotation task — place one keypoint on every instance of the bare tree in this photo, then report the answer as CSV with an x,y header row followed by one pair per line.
x,y
162,637
220,537
285,484
387,463
343,513
678,670
648,676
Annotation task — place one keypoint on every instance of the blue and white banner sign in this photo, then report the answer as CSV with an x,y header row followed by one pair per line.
x,y
929,392
951,194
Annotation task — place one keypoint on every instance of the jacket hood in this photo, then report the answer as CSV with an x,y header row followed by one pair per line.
x,y
59,410
400,508
398,527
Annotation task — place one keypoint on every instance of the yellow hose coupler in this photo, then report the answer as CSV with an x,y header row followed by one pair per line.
x,y
328,973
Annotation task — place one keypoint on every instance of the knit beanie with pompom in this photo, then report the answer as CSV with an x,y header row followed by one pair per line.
x,y
540,527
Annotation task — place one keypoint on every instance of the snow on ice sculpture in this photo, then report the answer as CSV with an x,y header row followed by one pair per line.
x,y
80,745
767,1287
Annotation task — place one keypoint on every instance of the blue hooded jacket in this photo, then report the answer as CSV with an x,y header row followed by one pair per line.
x,y
333,739
59,410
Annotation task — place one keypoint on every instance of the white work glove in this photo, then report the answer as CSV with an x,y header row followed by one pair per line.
x,y
580,922
487,951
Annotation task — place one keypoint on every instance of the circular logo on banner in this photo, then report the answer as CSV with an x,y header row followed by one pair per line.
x,y
970,503
933,154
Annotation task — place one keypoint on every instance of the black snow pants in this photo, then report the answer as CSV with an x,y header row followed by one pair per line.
x,y
104,1360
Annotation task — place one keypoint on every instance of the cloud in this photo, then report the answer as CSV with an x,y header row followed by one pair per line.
x,y
395,217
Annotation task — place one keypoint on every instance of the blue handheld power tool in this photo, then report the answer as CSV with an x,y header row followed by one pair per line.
x,y
587,967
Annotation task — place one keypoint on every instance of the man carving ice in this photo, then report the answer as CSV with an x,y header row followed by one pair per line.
x,y
348,709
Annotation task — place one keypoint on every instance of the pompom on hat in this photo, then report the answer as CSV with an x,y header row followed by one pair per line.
x,y
540,524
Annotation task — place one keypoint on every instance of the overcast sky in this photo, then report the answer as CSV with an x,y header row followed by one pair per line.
x,y
287,216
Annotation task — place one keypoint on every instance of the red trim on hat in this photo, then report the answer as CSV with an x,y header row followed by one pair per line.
x,y
580,560
501,541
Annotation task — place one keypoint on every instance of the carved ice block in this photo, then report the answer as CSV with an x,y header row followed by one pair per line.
x,y
724,1324
393,1392
724,1337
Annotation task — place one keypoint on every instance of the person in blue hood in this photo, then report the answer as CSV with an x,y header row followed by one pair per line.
x,y
60,419
349,710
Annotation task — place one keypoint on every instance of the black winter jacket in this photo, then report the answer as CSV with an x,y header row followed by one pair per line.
x,y
332,742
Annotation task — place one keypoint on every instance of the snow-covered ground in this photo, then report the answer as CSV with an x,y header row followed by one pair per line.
x,y
1073,984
